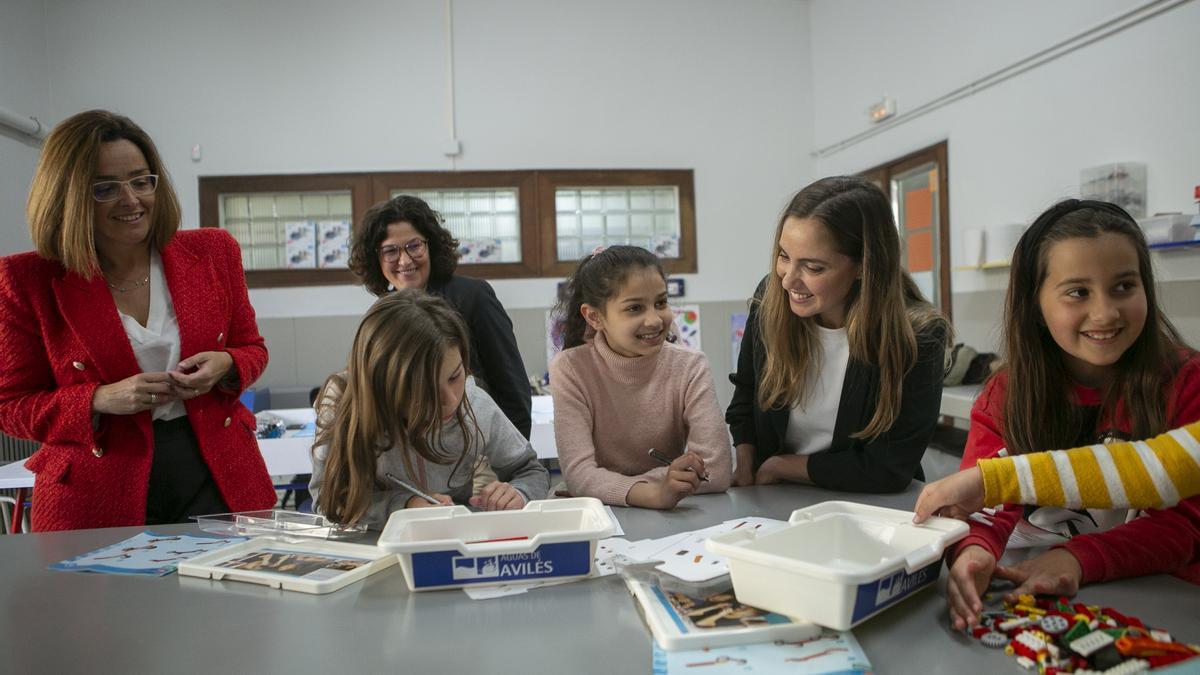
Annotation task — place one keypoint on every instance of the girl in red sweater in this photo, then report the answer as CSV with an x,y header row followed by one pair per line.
x,y
1090,358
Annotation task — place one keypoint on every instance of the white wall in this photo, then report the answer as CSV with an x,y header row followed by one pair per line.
x,y
25,90
1019,146
275,86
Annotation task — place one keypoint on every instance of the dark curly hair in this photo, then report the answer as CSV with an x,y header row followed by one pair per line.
x,y
364,245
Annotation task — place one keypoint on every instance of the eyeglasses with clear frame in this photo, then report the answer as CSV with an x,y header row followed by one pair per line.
x,y
110,190
415,249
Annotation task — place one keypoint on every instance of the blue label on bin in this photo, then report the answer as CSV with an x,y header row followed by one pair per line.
x,y
548,561
874,596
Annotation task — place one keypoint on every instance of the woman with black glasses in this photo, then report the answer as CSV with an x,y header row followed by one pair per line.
x,y
126,343
401,243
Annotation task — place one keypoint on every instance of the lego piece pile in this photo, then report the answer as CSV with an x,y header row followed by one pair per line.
x,y
1053,636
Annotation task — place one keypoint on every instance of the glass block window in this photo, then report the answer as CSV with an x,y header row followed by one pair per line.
x,y
289,230
587,217
485,221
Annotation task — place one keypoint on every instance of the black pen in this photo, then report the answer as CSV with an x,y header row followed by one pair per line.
x,y
655,454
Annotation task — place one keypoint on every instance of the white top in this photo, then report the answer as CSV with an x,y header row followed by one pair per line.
x,y
156,345
810,425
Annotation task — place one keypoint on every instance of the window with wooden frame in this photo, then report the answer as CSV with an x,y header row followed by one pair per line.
x,y
918,186
294,229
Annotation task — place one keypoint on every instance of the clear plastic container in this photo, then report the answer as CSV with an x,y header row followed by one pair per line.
x,y
838,563
280,524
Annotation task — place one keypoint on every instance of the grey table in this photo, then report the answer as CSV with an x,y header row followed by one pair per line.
x,y
64,622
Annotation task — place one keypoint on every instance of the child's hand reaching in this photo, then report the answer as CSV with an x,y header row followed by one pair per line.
x,y
955,496
497,496
968,579
1055,572
415,502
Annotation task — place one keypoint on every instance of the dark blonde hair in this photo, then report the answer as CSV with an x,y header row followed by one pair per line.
x,y
596,280
60,208
884,309
389,398
1037,415
370,233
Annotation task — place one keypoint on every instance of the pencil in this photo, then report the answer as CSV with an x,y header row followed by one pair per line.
x,y
662,459
413,489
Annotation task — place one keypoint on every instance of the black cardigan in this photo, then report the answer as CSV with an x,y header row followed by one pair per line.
x,y
495,361
890,461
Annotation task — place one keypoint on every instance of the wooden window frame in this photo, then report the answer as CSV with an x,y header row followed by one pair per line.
x,y
681,179
882,175
359,185
536,204
525,182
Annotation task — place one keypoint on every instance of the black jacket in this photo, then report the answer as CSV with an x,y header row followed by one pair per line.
x,y
890,461
495,361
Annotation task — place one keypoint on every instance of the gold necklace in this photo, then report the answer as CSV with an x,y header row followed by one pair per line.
x,y
136,285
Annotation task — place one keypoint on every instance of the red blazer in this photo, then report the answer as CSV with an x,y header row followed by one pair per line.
x,y
60,338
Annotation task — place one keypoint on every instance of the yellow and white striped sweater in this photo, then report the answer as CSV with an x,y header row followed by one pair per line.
x,y
1155,473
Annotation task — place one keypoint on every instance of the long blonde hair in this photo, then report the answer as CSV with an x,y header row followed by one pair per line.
x,y
60,208
389,398
884,310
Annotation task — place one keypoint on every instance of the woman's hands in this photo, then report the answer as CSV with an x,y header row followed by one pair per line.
x,y
134,394
200,372
969,577
194,376
783,468
681,480
955,496
498,496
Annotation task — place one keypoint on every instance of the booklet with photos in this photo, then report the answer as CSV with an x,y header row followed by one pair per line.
x,y
307,567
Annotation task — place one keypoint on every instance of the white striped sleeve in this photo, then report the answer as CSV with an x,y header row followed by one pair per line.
x,y
1158,473
1067,479
1112,477
1025,479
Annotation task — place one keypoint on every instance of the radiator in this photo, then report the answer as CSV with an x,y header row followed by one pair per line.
x,y
15,449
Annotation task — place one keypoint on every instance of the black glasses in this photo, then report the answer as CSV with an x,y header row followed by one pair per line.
x,y
110,190
391,253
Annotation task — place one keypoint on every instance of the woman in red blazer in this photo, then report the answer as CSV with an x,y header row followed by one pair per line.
x,y
126,344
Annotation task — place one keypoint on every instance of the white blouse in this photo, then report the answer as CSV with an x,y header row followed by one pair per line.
x,y
156,345
810,425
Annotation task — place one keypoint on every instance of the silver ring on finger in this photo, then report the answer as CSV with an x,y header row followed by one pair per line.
x,y
153,399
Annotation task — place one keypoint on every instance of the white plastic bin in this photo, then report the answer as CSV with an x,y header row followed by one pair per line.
x,y
837,563
451,547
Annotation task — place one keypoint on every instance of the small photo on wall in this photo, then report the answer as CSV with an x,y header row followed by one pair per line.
x,y
333,243
687,325
300,247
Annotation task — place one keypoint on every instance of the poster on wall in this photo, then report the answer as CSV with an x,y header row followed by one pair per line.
x,y
333,243
480,250
737,328
300,247
554,338
687,325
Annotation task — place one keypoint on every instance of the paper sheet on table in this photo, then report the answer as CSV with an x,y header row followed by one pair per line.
x,y
684,554
831,652
146,553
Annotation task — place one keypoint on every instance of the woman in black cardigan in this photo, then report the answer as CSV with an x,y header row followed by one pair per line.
x,y
401,243
839,377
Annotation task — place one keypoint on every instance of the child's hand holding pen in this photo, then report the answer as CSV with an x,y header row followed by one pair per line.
x,y
682,479
420,498
695,463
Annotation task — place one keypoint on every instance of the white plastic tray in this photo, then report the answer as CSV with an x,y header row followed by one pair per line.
x,y
451,547
311,566
837,563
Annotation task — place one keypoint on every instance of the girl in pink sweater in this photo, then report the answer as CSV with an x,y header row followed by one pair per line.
x,y
622,389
